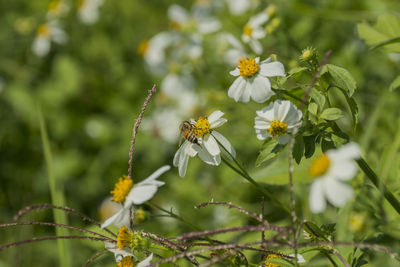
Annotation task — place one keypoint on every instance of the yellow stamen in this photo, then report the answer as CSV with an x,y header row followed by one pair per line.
x,y
124,238
142,48
320,166
277,128
44,31
271,256
121,189
202,126
247,67
126,262
247,30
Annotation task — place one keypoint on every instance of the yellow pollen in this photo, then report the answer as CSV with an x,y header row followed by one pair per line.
x,y
121,189
320,166
247,30
202,126
247,67
124,238
44,31
277,128
126,262
271,256
142,48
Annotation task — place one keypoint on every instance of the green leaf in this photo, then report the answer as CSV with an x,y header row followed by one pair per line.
x,y
352,105
342,78
279,262
269,150
395,84
331,114
314,230
313,108
298,149
309,145
318,97
384,33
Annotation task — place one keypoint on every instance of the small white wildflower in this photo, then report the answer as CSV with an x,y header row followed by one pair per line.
x,y
88,10
46,33
128,194
331,170
124,257
207,147
253,79
238,7
277,120
254,30
56,9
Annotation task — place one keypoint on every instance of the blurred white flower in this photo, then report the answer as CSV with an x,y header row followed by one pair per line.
x,y
174,84
198,21
238,7
253,79
47,33
163,123
254,30
300,258
231,47
208,146
128,194
277,120
88,10
330,171
57,9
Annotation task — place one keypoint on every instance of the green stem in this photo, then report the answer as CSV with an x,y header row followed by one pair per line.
x,y
57,196
381,187
280,91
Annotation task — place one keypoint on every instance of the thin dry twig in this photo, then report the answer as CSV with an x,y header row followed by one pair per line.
x,y
39,207
136,127
94,257
37,239
230,205
54,225
262,232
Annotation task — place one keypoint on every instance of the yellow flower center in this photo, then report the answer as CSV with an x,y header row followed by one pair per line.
x,y
202,126
277,128
126,262
356,222
307,54
55,7
80,3
320,166
124,238
247,67
271,256
139,216
142,48
44,31
121,189
247,30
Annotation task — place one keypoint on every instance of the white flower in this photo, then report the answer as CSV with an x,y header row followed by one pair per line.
x,y
88,10
202,22
207,147
128,194
238,7
163,123
46,33
300,258
331,170
57,8
126,255
253,31
231,47
174,84
277,120
253,79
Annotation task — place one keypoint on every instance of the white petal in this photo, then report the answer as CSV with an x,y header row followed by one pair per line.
x,y
183,162
41,46
256,46
258,33
347,151
283,110
215,116
208,158
225,143
211,145
178,14
150,180
258,19
209,25
317,197
343,169
112,247
338,193
262,134
236,89
272,69
235,72
145,262
300,258
140,194
218,123
261,90
117,219
178,155
261,123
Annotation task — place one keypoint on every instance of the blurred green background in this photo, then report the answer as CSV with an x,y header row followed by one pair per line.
x,y
91,89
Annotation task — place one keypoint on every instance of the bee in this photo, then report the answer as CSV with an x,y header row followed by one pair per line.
x,y
186,129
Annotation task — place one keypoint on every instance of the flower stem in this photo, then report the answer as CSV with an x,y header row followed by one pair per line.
x,y
375,180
